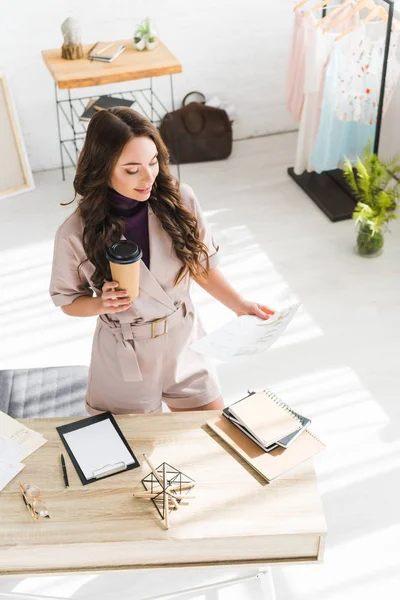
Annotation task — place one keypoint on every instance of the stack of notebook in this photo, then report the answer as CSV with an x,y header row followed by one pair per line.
x,y
106,51
267,433
102,103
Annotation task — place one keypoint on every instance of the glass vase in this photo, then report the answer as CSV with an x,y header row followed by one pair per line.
x,y
369,243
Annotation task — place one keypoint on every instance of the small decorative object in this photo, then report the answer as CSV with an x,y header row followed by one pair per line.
x,y
377,188
166,487
72,47
145,36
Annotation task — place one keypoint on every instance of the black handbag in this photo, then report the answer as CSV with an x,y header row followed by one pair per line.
x,y
196,132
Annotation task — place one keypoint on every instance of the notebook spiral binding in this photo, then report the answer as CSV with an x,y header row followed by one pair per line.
x,y
315,437
291,411
282,404
286,407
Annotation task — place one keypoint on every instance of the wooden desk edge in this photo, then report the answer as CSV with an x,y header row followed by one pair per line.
x,y
188,565
317,540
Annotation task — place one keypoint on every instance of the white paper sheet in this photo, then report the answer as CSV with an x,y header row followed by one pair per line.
x,y
98,446
8,471
245,335
10,451
27,439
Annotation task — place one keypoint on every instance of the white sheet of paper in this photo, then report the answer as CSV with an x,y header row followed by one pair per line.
x,y
97,446
245,335
26,438
8,471
10,451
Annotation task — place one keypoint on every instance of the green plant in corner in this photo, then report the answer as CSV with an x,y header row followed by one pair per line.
x,y
376,185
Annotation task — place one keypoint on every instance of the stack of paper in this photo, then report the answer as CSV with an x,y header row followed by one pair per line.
x,y
16,443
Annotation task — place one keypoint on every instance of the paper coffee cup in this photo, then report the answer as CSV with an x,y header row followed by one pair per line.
x,y
124,258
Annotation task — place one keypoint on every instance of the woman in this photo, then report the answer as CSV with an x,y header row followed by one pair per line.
x,y
141,351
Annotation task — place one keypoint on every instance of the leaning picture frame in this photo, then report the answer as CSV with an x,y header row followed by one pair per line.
x,y
15,172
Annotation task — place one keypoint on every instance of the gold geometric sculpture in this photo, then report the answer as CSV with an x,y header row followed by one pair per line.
x,y
166,487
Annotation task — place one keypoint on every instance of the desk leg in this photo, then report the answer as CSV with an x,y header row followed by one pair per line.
x,y
256,585
264,575
173,108
59,132
267,583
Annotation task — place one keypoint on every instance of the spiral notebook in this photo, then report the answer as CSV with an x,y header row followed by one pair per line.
x,y
266,419
271,463
106,51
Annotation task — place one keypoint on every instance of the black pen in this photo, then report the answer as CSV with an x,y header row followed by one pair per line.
x,y
64,470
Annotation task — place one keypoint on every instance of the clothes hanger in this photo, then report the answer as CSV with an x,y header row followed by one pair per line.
x,y
377,12
361,4
382,14
300,4
324,3
335,12
320,5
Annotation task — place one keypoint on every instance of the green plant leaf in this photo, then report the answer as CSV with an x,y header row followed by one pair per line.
x,y
377,191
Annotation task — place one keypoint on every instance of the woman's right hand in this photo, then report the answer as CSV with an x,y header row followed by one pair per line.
x,y
113,301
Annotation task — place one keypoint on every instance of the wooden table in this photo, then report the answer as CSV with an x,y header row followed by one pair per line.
x,y
235,517
131,65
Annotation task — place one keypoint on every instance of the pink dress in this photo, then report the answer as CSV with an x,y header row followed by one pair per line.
x,y
296,69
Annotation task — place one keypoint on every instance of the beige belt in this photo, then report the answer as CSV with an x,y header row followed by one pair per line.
x,y
125,333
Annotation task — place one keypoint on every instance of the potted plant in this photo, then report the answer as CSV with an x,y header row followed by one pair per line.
x,y
145,36
376,186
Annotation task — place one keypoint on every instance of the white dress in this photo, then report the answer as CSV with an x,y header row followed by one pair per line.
x,y
317,55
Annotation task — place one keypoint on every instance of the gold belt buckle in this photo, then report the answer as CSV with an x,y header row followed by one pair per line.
x,y
153,327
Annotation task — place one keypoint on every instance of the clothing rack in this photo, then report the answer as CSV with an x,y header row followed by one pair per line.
x,y
329,190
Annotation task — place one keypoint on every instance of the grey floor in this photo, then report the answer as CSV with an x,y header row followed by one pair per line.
x,y
338,362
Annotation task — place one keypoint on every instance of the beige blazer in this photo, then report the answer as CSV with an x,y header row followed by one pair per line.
x,y
157,292
158,297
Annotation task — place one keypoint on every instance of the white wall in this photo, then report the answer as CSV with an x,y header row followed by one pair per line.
x,y
237,49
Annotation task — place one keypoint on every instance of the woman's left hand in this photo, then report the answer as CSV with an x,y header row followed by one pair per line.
x,y
258,310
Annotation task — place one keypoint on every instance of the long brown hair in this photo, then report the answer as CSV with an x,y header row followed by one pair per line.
x,y
108,132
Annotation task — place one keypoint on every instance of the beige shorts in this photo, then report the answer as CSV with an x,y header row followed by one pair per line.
x,y
170,371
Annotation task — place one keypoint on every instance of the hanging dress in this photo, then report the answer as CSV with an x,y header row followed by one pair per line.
x,y
351,95
319,45
296,67
316,57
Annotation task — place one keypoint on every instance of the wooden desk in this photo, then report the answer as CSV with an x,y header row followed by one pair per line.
x,y
131,65
235,518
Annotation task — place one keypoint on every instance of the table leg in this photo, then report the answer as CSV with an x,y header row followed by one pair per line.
x,y
59,133
73,124
173,108
151,99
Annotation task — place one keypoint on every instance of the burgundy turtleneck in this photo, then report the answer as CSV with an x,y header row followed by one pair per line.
x,y
135,215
